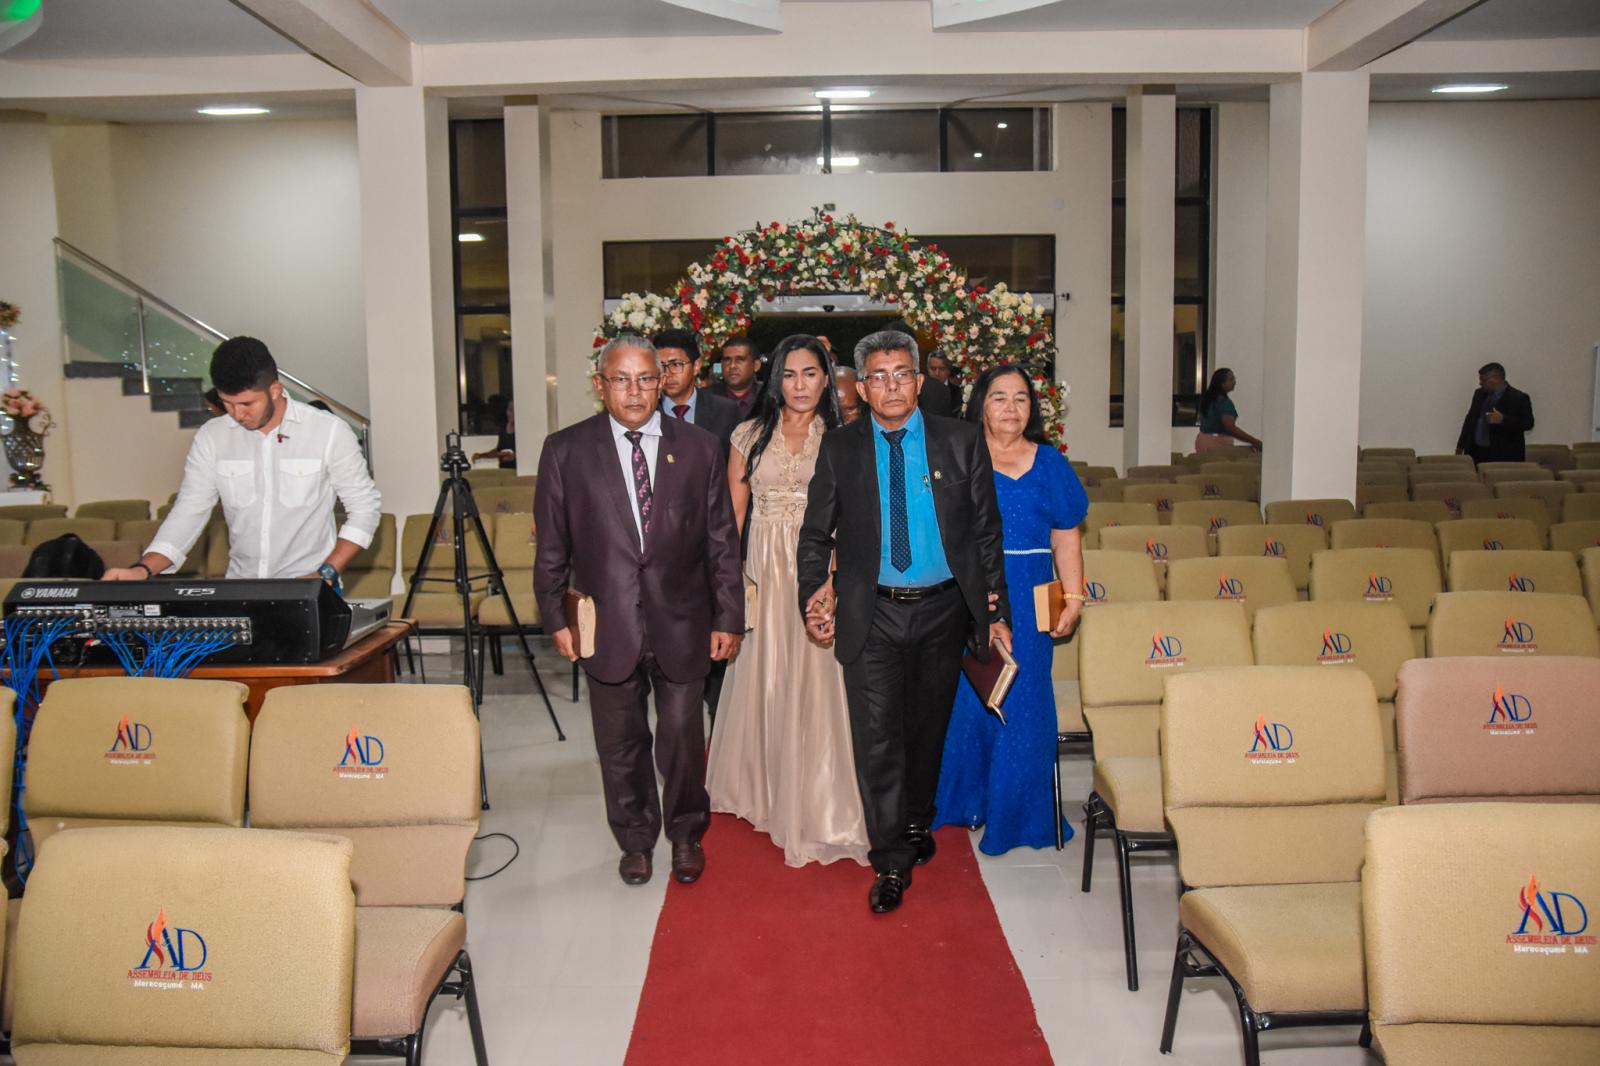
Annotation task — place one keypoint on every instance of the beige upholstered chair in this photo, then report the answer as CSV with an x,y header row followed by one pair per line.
x,y
1552,493
1502,624
1490,729
437,606
1268,775
1574,537
1322,513
1163,496
1429,511
370,575
503,499
514,547
1515,571
117,552
1384,533
488,476
1212,515
1406,577
1589,567
1406,456
1435,473
44,529
1161,543
1503,508
1294,542
1236,468
1447,459
1121,513
1156,472
1494,473
1368,494
1487,534
1586,480
1126,654
1581,506
33,512
1376,473
143,531
12,530
182,947
1220,486
1453,494
1556,457
1092,475
1506,879
395,769
1107,491
1254,581
116,510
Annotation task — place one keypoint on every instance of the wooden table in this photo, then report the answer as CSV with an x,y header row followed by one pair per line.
x,y
367,661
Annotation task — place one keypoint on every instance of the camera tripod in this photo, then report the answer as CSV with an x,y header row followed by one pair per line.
x,y
456,492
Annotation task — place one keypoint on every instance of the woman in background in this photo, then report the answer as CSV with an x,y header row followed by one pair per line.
x,y
999,776
1219,419
780,755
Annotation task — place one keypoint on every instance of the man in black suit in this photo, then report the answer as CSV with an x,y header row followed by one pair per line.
x,y
1497,420
908,502
740,365
680,368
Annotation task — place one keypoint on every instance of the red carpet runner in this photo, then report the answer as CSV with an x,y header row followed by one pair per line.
x,y
760,963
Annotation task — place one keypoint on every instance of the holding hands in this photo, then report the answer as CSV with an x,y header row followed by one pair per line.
x,y
819,614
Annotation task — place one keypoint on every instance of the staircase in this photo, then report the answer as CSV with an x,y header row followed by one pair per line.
x,y
184,396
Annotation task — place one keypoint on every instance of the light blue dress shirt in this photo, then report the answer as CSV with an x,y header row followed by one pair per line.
x,y
928,564
667,405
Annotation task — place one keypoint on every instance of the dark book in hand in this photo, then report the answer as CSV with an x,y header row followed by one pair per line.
x,y
991,671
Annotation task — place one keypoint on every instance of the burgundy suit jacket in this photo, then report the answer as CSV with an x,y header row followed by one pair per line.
x,y
684,584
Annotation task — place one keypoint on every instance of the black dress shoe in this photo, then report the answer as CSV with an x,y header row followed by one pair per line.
x,y
688,862
634,869
920,837
888,890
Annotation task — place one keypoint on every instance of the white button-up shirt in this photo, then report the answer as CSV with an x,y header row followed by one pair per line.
x,y
277,491
650,441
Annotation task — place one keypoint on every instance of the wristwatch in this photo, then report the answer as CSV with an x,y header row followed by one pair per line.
x,y
331,576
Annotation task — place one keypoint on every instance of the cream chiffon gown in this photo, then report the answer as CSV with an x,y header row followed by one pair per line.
x,y
780,753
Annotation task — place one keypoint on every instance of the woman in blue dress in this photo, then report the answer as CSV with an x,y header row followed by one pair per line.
x,y
999,776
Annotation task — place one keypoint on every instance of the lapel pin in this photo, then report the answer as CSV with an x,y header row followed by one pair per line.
x,y
670,459
937,475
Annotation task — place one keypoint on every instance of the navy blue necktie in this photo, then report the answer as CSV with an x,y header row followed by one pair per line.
x,y
899,530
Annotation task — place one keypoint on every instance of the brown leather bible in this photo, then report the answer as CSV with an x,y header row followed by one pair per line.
x,y
580,621
991,671
1049,600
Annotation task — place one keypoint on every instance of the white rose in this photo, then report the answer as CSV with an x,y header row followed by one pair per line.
x,y
636,320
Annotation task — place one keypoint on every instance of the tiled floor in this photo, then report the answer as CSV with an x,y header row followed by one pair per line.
x,y
560,945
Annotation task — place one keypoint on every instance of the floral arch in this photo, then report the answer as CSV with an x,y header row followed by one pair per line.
x,y
976,327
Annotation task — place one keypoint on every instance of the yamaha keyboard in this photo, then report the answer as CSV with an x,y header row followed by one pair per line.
x,y
280,621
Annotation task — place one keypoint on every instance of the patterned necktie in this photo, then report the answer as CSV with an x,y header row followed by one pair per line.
x,y
899,530
641,481
681,410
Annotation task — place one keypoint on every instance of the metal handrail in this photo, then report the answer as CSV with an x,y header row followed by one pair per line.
x,y
145,296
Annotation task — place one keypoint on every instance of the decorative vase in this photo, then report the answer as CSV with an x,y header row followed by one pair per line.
x,y
25,453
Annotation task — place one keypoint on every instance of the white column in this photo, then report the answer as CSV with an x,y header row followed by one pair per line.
x,y
28,280
1316,263
403,143
1147,349
533,323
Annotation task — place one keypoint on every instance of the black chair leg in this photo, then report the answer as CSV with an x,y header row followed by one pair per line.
x,y
1365,1039
469,987
414,1049
1175,993
1055,800
496,659
574,682
1091,825
1252,1035
1125,885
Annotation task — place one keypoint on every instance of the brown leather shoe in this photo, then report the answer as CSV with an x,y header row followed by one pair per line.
x,y
634,869
688,862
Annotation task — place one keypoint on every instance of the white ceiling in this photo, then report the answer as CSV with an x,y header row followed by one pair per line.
x,y
460,21
1496,20
105,29
1155,14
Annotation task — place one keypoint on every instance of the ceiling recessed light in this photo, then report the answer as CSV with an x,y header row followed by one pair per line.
x,y
469,238
233,111
842,161
1483,87
842,94
977,155
1000,125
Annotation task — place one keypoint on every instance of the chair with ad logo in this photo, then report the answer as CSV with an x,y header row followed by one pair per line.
x,y
1250,473
1494,473
1368,494
1574,537
1589,567
1371,637
503,499
1268,775
1212,515
157,946
1126,654
395,769
1453,494
1406,577
1507,624
1515,571
1384,533
1164,497
1220,486
1294,542
1506,508
1322,513
1500,982
1101,515
1255,582
1487,534
1429,511
1484,728
1163,544
1552,493
1580,506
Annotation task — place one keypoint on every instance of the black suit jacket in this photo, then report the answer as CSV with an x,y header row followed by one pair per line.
x,y
752,398
686,581
715,414
843,513
1507,443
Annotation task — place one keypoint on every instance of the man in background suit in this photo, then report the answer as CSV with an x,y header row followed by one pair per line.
x,y
633,510
680,368
740,364
908,502
1497,420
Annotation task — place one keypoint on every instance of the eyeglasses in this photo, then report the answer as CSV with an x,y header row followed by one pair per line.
x,y
879,378
676,365
622,382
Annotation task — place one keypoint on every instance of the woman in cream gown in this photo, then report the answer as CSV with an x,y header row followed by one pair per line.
x,y
780,753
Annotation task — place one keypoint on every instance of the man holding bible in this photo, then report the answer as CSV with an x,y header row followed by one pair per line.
x,y
633,511
907,501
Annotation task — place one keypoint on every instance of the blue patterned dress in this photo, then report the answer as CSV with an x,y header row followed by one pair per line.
x,y
999,776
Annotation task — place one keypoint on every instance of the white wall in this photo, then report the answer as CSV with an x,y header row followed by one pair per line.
x,y
1240,263
1483,243
252,227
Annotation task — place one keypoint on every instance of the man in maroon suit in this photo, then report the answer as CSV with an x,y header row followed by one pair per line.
x,y
633,510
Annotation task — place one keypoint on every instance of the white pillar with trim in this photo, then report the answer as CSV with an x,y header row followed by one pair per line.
x,y
1147,318
530,233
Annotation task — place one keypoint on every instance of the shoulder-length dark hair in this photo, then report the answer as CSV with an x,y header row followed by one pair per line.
x,y
1034,430
1213,391
770,408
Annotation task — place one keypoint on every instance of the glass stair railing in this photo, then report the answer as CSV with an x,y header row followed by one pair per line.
x,y
113,327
